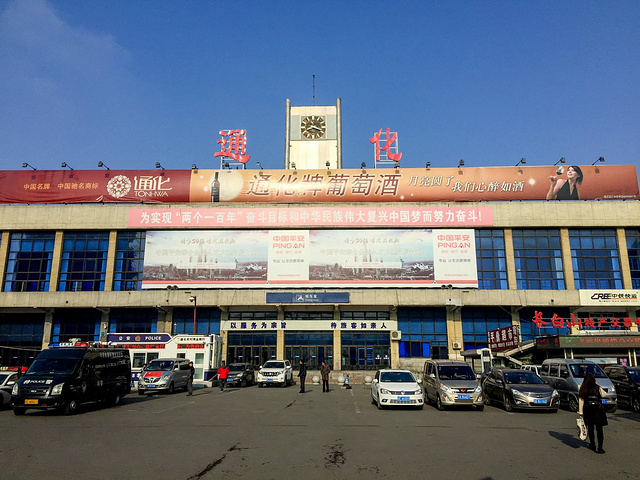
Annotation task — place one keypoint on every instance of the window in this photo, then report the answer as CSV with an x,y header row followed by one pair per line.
x,y
20,337
81,323
365,351
29,262
538,259
476,322
251,347
129,261
633,249
84,261
424,332
491,260
207,321
314,347
133,320
596,264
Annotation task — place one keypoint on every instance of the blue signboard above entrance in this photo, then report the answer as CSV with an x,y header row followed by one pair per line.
x,y
304,297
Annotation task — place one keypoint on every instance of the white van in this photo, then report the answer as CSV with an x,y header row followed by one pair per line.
x,y
566,376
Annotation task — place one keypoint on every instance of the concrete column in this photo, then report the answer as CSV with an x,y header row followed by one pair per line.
x,y
4,249
454,331
510,259
624,259
165,320
337,350
55,262
104,324
48,328
569,281
111,261
280,335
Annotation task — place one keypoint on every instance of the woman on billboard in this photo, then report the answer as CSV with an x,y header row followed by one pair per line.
x,y
561,189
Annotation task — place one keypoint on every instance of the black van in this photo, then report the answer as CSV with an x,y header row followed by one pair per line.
x,y
62,378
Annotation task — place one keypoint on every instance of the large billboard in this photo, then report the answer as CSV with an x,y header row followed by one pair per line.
x,y
462,184
309,258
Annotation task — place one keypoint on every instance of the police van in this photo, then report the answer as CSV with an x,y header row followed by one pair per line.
x,y
66,375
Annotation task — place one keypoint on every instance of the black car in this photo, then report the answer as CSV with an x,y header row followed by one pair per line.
x,y
627,383
241,374
519,389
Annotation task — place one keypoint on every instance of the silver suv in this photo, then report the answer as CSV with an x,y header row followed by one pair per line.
x,y
164,374
451,382
277,372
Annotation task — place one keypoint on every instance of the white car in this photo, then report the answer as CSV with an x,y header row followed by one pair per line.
x,y
277,372
7,380
392,387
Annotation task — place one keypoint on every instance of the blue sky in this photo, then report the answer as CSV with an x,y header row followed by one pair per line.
x,y
131,83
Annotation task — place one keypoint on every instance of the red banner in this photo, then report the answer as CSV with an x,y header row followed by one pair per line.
x,y
591,182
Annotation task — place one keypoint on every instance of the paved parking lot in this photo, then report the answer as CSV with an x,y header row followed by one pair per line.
x,y
276,433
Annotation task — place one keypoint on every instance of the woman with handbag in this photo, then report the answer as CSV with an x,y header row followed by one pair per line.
x,y
592,410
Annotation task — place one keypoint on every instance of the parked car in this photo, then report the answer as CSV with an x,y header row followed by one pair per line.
x,y
627,383
278,372
7,381
451,382
241,374
566,376
392,387
519,389
164,375
532,368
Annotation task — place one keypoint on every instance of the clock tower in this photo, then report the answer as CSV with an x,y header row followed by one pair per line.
x,y
313,137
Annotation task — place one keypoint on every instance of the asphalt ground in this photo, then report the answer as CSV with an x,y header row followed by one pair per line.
x,y
277,433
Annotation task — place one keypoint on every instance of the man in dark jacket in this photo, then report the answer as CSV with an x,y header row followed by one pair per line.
x,y
302,374
325,370
192,372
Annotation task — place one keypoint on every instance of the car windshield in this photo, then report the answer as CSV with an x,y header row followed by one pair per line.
x,y
455,372
160,366
525,377
634,373
397,377
274,365
236,367
579,370
48,366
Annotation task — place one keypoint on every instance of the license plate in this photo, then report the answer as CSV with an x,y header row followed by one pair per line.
x,y
269,379
30,401
404,399
464,397
151,386
539,401
604,400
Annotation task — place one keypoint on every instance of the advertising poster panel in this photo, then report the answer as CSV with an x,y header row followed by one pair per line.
x,y
462,184
309,258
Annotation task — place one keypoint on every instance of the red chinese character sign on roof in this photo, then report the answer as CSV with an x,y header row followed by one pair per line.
x,y
233,145
388,151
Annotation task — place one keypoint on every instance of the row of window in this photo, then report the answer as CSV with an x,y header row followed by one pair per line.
x,y
537,254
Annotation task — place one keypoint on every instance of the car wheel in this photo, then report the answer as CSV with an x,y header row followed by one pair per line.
x,y
506,401
479,408
487,400
171,388
243,383
439,404
553,410
140,392
373,400
573,403
116,399
72,406
379,404
420,407
613,410
260,385
635,404
19,411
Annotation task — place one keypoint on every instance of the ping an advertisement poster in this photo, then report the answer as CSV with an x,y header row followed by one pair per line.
x,y
310,258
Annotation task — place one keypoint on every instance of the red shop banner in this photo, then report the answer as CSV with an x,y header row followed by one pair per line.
x,y
462,184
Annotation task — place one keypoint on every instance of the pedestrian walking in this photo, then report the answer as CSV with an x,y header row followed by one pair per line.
x,y
592,410
223,374
325,370
192,372
302,374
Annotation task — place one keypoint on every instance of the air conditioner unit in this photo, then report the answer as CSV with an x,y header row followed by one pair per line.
x,y
396,335
456,346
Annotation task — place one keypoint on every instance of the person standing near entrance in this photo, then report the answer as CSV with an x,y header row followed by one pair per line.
x,y
223,374
302,374
325,370
192,372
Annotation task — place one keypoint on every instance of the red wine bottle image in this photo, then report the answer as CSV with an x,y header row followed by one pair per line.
x,y
215,188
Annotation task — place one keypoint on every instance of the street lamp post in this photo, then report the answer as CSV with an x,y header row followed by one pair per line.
x,y
194,299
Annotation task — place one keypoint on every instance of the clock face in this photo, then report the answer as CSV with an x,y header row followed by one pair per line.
x,y
313,127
